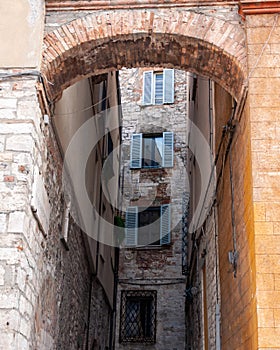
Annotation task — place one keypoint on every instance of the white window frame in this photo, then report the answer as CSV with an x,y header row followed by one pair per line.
x,y
131,230
149,87
136,152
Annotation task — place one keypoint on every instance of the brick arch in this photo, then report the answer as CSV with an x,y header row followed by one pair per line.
x,y
105,41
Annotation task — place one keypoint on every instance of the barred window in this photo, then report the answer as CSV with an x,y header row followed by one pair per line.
x,y
138,316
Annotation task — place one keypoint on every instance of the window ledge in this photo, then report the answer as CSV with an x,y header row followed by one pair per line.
x,y
153,247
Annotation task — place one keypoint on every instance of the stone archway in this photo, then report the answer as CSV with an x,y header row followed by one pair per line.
x,y
206,45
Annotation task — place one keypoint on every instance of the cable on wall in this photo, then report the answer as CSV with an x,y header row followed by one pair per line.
x,y
29,73
233,255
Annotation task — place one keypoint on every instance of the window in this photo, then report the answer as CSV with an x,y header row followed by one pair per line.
x,y
110,145
138,316
148,227
158,87
152,150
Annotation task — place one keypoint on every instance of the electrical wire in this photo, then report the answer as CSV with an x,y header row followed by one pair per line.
x,y
232,211
226,128
97,103
153,282
216,255
263,47
28,73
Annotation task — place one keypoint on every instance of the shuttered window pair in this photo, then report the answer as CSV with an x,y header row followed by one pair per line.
x,y
158,87
142,232
150,151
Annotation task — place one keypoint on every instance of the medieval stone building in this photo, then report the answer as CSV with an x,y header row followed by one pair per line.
x,y
59,197
151,287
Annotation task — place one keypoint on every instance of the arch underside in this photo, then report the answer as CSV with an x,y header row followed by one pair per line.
x,y
63,67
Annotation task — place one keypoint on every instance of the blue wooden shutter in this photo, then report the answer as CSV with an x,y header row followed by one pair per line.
x,y
165,236
131,226
136,151
168,84
167,154
148,88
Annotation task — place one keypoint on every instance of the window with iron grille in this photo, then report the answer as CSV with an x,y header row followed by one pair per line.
x,y
138,316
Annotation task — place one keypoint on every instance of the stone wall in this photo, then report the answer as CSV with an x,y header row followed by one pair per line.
x,y
45,289
156,268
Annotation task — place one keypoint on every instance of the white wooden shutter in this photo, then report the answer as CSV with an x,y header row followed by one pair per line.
x,y
165,236
131,226
168,85
148,88
168,153
136,151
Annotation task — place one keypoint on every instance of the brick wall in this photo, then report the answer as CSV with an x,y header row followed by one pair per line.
x,y
210,42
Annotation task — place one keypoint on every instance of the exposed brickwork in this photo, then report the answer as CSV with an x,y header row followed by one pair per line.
x,y
156,268
98,42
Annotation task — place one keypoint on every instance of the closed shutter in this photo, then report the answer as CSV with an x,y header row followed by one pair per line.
x,y
147,88
167,156
165,236
131,226
136,151
168,83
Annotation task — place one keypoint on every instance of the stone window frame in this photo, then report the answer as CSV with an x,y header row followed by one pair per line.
x,y
138,314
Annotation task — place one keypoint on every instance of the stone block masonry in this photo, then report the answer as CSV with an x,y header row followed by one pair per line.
x,y
155,268
45,290
20,238
263,57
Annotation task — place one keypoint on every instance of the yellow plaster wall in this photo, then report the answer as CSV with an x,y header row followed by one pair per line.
x,y
263,32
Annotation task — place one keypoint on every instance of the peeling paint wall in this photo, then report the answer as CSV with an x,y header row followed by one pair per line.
x,y
21,33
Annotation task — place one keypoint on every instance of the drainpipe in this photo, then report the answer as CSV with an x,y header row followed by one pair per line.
x,y
218,329
89,311
114,312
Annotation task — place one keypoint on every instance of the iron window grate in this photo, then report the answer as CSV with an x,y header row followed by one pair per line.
x,y
138,316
